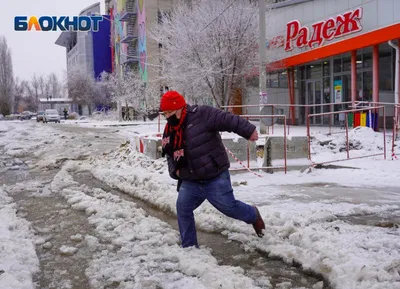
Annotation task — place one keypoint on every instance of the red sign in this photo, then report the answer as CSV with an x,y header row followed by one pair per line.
x,y
322,31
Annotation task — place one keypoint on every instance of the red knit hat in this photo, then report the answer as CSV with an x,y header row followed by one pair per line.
x,y
172,100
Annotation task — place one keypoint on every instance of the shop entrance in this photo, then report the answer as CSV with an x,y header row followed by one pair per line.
x,y
314,97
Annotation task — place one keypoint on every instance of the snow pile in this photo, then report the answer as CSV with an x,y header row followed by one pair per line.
x,y
360,138
134,250
297,229
18,260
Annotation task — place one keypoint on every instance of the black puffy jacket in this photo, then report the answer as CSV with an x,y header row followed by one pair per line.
x,y
205,153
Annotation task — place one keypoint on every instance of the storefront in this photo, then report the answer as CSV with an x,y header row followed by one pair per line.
x,y
333,52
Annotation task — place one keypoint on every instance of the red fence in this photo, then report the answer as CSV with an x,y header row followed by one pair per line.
x,y
396,121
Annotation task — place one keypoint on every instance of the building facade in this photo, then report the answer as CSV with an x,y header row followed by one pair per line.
x,y
131,21
332,51
89,50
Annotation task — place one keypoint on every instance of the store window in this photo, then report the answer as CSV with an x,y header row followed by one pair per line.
x,y
367,86
283,79
280,79
386,67
346,62
337,65
273,80
326,68
367,57
346,80
302,72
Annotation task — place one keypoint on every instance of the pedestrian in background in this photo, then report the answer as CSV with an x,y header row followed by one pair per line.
x,y
198,160
65,111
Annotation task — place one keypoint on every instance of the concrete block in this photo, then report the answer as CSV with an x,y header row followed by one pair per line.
x,y
151,148
239,149
297,147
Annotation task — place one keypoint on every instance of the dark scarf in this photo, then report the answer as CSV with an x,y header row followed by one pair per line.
x,y
173,141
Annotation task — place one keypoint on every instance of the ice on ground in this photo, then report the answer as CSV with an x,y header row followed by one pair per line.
x,y
67,250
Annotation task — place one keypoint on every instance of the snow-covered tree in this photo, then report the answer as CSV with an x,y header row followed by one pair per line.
x,y
82,88
208,47
131,91
6,78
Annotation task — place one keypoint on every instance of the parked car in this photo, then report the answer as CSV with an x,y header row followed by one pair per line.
x,y
25,115
51,115
40,116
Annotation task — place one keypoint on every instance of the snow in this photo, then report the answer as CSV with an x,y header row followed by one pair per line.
x,y
308,215
18,260
141,251
68,251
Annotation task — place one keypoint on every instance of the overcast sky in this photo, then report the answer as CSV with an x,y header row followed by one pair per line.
x,y
35,52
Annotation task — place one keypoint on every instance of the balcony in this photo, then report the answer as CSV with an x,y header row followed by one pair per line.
x,y
131,33
130,11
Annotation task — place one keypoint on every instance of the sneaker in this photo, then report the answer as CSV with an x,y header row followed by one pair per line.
x,y
258,225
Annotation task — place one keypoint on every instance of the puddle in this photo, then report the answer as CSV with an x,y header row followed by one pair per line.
x,y
256,264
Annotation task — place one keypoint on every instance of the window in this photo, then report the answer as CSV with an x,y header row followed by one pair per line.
x,y
367,86
367,57
346,87
302,72
326,68
386,70
346,62
337,65
314,71
283,79
273,78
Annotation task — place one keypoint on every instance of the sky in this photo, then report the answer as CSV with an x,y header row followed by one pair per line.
x,y
36,52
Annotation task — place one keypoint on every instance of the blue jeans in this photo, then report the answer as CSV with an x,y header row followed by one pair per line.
x,y
219,193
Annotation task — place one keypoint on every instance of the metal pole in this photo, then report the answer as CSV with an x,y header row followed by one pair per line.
x,y
248,152
394,136
273,112
159,122
347,136
291,119
308,136
384,133
285,143
262,44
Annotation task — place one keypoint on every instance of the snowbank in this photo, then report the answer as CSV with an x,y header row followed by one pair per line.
x,y
298,228
134,250
18,260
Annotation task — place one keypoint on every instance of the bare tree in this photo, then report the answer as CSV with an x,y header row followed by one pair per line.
x,y
19,92
6,78
44,87
208,47
32,90
55,86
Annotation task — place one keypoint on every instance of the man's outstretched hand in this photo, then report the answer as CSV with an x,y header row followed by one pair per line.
x,y
254,136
